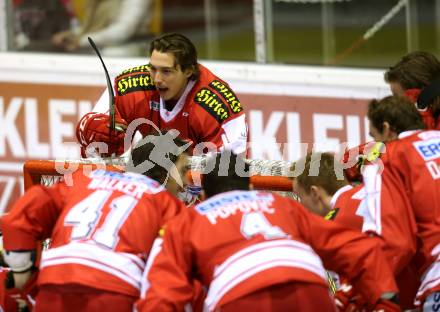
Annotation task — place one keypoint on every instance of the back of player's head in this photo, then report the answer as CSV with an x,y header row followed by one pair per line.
x,y
225,171
414,70
399,112
155,154
181,47
418,71
319,169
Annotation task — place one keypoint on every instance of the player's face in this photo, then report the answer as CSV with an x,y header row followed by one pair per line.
x,y
396,89
307,200
168,76
182,168
384,136
375,133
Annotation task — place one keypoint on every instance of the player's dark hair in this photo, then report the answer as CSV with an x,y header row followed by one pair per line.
x,y
152,146
416,70
320,169
225,172
181,47
399,112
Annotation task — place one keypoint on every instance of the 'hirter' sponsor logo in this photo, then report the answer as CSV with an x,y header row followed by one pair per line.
x,y
141,82
228,95
137,69
212,104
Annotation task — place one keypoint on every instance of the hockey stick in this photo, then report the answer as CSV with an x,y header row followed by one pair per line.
x,y
111,96
370,32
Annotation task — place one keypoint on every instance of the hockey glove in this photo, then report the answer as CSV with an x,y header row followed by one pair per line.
x,y
94,128
346,300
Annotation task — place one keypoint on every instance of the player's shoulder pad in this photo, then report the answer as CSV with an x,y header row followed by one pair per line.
x,y
135,70
218,100
227,94
212,104
134,79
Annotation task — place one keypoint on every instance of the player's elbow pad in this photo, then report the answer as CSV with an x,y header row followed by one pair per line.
x,y
19,261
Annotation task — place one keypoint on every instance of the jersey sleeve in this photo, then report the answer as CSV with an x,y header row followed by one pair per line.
x,y
132,92
349,253
387,213
231,134
169,285
170,206
224,121
33,217
235,134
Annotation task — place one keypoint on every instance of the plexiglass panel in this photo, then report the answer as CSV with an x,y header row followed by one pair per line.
x,y
359,33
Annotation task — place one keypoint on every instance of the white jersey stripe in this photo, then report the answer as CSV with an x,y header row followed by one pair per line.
x,y
138,260
96,265
370,206
256,247
155,249
431,277
123,265
257,258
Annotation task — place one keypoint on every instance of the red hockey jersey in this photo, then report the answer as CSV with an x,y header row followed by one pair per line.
x,y
396,225
242,241
411,171
101,228
397,230
345,203
207,111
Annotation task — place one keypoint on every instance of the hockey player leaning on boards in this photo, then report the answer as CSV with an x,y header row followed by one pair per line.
x,y
173,91
258,251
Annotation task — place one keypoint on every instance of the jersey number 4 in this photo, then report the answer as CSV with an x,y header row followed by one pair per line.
x,y
85,215
254,223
